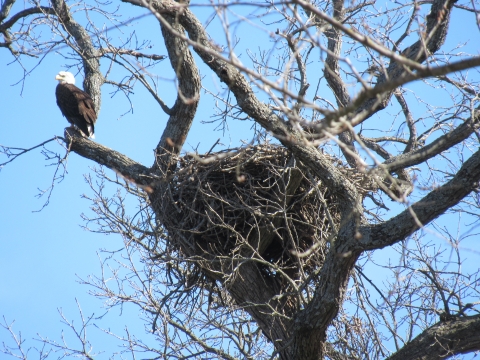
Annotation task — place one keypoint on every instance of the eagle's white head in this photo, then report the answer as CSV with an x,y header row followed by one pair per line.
x,y
65,77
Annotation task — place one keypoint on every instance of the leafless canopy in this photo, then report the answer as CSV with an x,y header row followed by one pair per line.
x,y
365,133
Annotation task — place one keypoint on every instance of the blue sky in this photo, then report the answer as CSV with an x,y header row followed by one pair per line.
x,y
44,253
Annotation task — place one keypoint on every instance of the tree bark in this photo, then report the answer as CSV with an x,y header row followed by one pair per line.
x,y
121,164
184,110
436,203
437,146
442,340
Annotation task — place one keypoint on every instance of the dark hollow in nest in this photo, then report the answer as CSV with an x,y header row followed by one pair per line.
x,y
255,201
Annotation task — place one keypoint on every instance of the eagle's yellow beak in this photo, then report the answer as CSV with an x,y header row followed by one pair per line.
x,y
58,77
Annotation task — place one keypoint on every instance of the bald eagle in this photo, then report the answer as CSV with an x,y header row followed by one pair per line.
x,y
76,105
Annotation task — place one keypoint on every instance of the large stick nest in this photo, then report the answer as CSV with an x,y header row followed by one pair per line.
x,y
257,201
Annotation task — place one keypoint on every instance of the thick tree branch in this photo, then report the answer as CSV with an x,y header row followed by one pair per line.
x,y
444,339
256,294
437,146
336,83
122,165
423,211
184,110
312,322
386,88
5,9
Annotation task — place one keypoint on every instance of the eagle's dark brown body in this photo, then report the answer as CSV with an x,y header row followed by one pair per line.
x,y
77,106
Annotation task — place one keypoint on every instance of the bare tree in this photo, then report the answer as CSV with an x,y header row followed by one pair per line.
x,y
263,251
